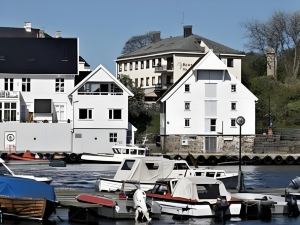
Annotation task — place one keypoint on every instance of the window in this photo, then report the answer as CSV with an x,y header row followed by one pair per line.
x,y
208,191
233,106
153,63
85,114
120,67
186,122
136,82
153,80
60,111
26,84
8,84
136,65
233,123
115,114
125,66
180,166
152,166
147,64
113,137
159,80
59,85
0,111
213,124
187,88
230,62
142,64
130,66
159,62
142,82
147,81
233,88
187,105
10,111
127,165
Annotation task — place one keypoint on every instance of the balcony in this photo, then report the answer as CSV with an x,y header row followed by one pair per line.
x,y
161,88
164,68
9,94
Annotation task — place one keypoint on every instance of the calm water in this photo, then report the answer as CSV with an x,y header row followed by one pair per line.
x,y
85,175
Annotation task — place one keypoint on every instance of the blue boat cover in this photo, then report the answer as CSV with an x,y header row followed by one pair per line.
x,y
16,187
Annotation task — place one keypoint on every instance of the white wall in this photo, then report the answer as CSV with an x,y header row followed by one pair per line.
x,y
38,137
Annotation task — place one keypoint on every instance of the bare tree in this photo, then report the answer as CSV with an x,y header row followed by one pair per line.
x,y
281,33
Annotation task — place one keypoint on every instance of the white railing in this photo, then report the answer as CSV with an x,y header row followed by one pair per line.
x,y
9,94
100,93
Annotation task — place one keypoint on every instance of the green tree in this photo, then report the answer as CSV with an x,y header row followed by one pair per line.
x,y
138,114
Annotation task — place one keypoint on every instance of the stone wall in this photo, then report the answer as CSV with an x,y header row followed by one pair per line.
x,y
225,145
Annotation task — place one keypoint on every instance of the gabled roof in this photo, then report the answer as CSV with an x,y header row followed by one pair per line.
x,y
13,32
39,55
100,67
181,44
208,62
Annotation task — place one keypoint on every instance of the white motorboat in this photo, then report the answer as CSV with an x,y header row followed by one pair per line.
x,y
5,170
120,152
195,197
148,170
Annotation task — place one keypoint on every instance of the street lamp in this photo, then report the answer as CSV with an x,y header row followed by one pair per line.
x,y
240,121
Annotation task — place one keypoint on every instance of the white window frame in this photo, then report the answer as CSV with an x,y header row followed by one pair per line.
x,y
231,120
187,86
233,87
8,84
59,85
187,106
111,114
187,122
113,137
233,106
89,113
26,83
213,127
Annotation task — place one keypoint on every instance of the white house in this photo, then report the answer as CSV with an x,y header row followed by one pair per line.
x,y
100,105
49,100
198,113
158,65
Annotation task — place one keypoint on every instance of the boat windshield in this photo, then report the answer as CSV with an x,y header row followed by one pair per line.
x,y
128,164
116,151
133,151
210,174
3,170
181,166
160,189
141,152
220,174
208,191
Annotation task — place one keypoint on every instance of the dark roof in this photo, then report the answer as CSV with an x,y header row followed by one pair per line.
x,y
81,59
12,32
39,55
181,44
186,72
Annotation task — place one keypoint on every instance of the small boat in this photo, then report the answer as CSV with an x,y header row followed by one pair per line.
x,y
26,198
123,204
148,170
120,152
5,170
195,197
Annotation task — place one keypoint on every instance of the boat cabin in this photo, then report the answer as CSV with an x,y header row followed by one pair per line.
x,y
130,150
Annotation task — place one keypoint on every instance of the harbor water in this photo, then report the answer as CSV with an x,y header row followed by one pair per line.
x,y
84,176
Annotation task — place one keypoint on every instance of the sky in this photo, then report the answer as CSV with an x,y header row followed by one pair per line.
x,y
103,26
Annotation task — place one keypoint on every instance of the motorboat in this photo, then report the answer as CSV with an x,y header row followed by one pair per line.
x,y
125,204
120,152
195,197
5,170
148,170
26,198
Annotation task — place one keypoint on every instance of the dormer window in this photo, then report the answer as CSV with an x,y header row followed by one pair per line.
x,y
229,62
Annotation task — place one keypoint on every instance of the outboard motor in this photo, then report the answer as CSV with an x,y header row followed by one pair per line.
x,y
221,207
295,184
293,210
141,210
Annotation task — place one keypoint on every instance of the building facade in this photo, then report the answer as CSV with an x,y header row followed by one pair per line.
x,y
198,113
158,65
51,102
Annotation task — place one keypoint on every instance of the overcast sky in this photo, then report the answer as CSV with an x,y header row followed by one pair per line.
x,y
103,26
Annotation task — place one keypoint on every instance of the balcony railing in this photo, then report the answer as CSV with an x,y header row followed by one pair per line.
x,y
9,94
164,68
100,93
161,87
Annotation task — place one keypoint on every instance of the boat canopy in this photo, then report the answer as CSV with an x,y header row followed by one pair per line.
x,y
16,187
147,169
199,188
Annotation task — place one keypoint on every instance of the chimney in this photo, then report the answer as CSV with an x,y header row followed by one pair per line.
x,y
27,26
155,36
58,34
41,34
187,31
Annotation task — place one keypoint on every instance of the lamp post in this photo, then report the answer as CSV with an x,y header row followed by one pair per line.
x,y
240,121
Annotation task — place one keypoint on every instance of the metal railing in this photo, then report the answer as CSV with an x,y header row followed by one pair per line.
x,y
9,94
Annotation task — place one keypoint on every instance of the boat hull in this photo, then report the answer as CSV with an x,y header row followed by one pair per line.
x,y
196,210
27,208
